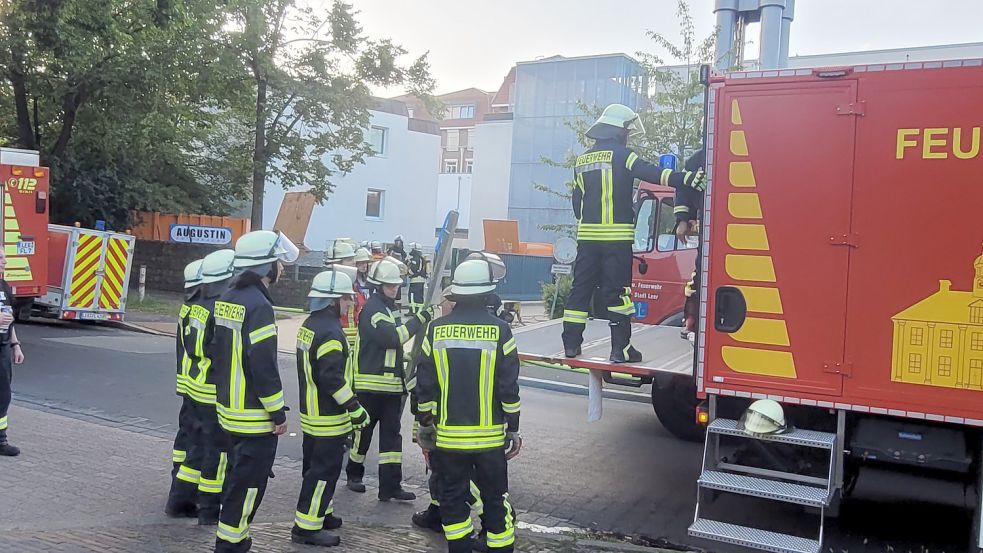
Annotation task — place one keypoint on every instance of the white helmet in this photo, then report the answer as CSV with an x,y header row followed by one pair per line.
x,y
338,251
192,274
362,255
473,277
384,271
331,284
615,118
764,416
415,246
217,266
260,247
399,238
376,245
494,261
403,269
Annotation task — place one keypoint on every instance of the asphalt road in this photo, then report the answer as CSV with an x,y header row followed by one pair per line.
x,y
624,474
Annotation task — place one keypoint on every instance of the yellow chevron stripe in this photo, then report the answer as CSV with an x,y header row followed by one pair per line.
x,y
747,237
762,300
767,332
759,361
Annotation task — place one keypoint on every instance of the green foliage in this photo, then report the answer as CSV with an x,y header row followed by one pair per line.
x,y
560,287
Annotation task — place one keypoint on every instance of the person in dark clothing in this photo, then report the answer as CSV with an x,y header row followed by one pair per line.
x,y
689,212
418,274
10,354
603,203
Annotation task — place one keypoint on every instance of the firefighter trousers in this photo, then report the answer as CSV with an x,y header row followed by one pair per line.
x,y
385,411
490,473
604,265
214,444
416,297
250,464
474,500
6,376
323,458
187,458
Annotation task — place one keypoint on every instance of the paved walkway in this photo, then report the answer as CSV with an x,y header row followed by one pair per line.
x,y
85,484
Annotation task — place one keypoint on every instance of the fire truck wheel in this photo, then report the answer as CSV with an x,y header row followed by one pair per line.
x,y
675,404
23,309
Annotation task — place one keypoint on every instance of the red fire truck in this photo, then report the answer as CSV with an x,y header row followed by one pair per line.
x,y
843,279
25,225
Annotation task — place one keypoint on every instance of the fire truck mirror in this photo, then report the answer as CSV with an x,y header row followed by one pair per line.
x,y
730,309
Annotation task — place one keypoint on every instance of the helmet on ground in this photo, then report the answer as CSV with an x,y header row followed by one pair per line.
x,y
494,261
260,247
217,266
192,274
327,286
614,119
473,277
338,251
362,255
764,416
384,271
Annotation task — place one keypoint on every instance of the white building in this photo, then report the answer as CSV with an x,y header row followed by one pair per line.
x,y
393,192
492,172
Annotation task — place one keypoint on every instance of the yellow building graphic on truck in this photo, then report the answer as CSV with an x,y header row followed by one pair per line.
x,y
939,340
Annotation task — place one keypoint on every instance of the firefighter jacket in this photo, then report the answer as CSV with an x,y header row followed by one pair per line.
x,y
398,253
183,361
467,384
604,189
495,306
417,267
197,335
689,201
249,397
381,335
325,395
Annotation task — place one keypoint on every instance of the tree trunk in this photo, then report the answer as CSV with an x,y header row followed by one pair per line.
x,y
25,131
260,158
70,107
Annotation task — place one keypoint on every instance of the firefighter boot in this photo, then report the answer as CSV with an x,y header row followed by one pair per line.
x,y
398,494
331,522
7,450
571,351
355,484
182,500
316,537
429,519
621,349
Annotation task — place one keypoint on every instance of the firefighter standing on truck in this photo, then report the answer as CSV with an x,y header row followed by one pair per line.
x,y
467,426
418,277
603,203
182,500
329,410
379,381
10,354
249,396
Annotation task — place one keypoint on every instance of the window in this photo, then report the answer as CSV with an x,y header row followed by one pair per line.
x,y
918,336
945,366
469,136
976,344
374,204
450,166
410,112
469,166
975,368
645,225
976,314
461,112
915,363
945,339
377,139
453,143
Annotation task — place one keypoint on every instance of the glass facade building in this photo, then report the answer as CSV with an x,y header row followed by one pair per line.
x,y
547,93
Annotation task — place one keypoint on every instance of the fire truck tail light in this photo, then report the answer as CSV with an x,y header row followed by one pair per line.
x,y
39,172
69,315
17,171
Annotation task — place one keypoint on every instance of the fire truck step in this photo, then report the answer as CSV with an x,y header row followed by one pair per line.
x,y
807,438
751,537
767,489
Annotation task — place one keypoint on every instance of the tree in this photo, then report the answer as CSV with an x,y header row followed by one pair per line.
x,y
673,122
310,73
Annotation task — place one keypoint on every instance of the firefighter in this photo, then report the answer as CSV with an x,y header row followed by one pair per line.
x,y
688,211
379,381
216,274
341,256
10,354
377,251
398,249
471,428
418,277
363,259
603,195
186,454
329,410
249,397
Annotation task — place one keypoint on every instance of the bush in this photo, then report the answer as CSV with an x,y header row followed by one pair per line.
x,y
563,282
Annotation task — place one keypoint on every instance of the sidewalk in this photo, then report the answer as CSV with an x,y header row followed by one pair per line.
x,y
83,486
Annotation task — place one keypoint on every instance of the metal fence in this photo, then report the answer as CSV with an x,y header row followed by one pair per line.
x,y
524,277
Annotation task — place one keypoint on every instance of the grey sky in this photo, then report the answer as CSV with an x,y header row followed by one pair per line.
x,y
475,43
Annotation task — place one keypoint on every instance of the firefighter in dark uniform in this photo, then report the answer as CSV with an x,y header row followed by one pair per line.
x,y
186,454
249,397
603,194
471,427
494,304
379,381
10,354
418,277
213,459
688,211
329,410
